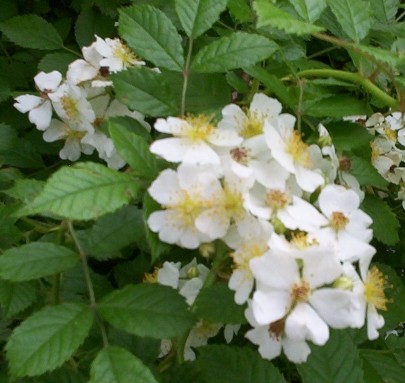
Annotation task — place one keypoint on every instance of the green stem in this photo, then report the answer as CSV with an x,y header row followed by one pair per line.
x,y
186,73
89,283
348,45
55,298
72,51
354,78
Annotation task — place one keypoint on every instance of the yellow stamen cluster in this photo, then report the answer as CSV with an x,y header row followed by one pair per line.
x,y
200,127
125,54
69,105
277,199
233,202
298,150
338,220
253,126
374,287
301,240
151,277
188,208
248,251
390,134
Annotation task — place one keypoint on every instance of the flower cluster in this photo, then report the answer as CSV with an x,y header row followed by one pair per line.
x,y
387,148
296,235
82,102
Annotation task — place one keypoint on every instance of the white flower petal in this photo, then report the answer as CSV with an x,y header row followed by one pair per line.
x,y
304,323
270,306
27,102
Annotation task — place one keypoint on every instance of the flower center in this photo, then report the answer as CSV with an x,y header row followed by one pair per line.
x,y
298,150
276,328
123,53
338,220
151,277
233,202
253,126
301,240
374,287
188,209
69,105
390,134
248,251
300,292
200,127
241,155
276,199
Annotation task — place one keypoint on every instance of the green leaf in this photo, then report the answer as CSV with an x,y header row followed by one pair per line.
x,y
83,191
270,15
187,372
366,173
147,310
234,51
240,10
117,365
90,23
354,16
113,232
379,54
309,10
243,365
31,31
274,85
197,16
151,34
134,149
385,223
385,10
35,260
336,106
25,189
8,137
23,154
16,297
56,61
216,304
336,362
380,367
206,93
349,136
145,91
48,338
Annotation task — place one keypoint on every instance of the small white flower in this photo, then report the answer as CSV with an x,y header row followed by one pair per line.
x,y
39,108
347,224
116,55
73,146
71,105
193,141
292,153
84,70
250,123
183,203
369,290
248,241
